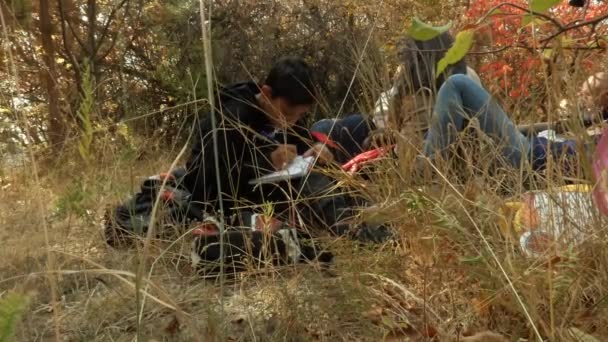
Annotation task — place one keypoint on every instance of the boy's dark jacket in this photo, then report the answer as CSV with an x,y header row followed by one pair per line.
x,y
245,140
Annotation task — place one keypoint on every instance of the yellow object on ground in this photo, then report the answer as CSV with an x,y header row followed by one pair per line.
x,y
545,221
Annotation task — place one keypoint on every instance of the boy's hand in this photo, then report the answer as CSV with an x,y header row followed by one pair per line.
x,y
283,155
322,152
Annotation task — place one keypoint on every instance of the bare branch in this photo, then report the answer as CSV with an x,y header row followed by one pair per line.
x,y
66,45
523,46
106,26
527,10
576,25
80,42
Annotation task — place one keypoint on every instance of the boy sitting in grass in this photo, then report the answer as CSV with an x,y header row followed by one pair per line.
x,y
259,129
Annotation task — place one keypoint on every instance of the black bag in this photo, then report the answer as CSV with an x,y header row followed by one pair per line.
x,y
243,246
132,218
245,249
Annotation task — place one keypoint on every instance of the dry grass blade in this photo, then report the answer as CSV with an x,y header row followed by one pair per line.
x,y
41,209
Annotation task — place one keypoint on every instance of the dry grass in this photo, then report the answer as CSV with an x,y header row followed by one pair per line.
x,y
438,280
451,273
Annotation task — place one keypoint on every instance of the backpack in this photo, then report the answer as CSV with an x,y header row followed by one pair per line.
x,y
250,247
132,218
244,241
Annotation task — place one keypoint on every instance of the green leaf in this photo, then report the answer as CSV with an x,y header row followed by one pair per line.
x,y
548,53
422,31
531,18
83,150
496,11
462,45
567,42
473,260
599,43
12,307
542,5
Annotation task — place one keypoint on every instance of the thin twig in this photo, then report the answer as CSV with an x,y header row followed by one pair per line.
x,y
66,46
104,30
508,4
80,42
573,26
490,52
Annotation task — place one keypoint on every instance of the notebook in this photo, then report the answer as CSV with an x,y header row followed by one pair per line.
x,y
299,167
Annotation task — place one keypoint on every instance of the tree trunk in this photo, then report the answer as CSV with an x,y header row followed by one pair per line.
x,y
56,125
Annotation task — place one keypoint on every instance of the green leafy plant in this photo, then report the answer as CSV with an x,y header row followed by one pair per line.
x,y
74,200
84,114
12,307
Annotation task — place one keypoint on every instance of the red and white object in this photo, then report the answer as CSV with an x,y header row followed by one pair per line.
x,y
600,170
361,159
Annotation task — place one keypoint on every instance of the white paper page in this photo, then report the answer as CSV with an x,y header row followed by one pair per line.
x,y
299,167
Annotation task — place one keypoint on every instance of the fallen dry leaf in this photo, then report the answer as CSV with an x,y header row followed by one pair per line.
x,y
481,307
486,336
374,315
173,327
581,336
